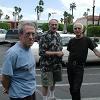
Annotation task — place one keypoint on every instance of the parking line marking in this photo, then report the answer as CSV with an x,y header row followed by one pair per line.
x,y
61,85
96,98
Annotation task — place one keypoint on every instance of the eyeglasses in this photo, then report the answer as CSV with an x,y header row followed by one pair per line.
x,y
77,28
29,33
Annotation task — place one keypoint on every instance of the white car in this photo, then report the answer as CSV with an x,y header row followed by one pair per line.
x,y
91,56
2,35
65,39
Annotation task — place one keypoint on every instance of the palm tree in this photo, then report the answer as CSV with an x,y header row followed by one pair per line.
x,y
61,20
17,12
67,20
7,17
49,15
39,9
85,14
72,7
20,17
41,2
1,13
68,16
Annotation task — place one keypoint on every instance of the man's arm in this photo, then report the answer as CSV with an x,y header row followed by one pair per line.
x,y
5,82
97,53
54,53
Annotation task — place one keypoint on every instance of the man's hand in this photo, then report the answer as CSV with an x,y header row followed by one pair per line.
x,y
5,91
55,53
59,53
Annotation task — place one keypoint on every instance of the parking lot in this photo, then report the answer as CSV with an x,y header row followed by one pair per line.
x,y
90,87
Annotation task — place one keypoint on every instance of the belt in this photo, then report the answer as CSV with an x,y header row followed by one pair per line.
x,y
77,63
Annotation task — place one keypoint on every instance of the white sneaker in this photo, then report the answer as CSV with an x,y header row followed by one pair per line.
x,y
51,98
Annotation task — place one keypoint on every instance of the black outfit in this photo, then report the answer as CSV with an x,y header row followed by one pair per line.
x,y
78,50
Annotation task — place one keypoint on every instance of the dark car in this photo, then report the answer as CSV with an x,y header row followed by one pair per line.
x,y
12,36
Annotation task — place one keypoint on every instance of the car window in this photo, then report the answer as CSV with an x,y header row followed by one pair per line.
x,y
3,31
13,34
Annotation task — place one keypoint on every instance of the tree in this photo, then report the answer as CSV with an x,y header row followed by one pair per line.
x,y
16,13
1,13
61,20
67,20
49,15
7,17
20,17
68,16
39,9
72,7
85,14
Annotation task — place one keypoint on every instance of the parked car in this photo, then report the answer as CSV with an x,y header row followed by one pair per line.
x,y
91,56
2,35
65,39
12,36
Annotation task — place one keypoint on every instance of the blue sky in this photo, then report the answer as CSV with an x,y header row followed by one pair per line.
x,y
50,6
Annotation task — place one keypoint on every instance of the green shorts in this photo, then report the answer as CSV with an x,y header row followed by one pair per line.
x,y
48,78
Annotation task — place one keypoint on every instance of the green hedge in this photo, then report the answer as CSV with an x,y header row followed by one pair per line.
x,y
4,25
93,31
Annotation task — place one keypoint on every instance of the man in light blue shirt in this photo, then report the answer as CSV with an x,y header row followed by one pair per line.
x,y
18,72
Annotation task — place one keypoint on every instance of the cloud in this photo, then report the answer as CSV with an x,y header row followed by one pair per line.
x,y
81,6
7,11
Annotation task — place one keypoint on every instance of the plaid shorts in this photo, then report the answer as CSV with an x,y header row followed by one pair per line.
x,y
48,78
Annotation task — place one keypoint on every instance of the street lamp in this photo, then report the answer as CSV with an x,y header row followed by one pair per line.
x,y
93,10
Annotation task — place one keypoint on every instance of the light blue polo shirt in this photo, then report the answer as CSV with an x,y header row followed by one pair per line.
x,y
19,64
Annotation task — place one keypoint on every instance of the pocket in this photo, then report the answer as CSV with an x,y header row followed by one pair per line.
x,y
47,78
57,75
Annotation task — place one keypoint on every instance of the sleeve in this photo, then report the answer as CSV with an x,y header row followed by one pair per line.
x,y
61,44
8,65
42,46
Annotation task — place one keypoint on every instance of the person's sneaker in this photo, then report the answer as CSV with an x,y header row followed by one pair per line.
x,y
51,98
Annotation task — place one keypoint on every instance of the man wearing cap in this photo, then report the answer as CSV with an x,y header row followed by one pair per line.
x,y
78,50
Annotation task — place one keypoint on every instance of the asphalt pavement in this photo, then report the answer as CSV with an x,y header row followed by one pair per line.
x,y
90,88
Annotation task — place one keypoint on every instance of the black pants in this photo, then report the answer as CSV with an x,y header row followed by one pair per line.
x,y
31,97
75,78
